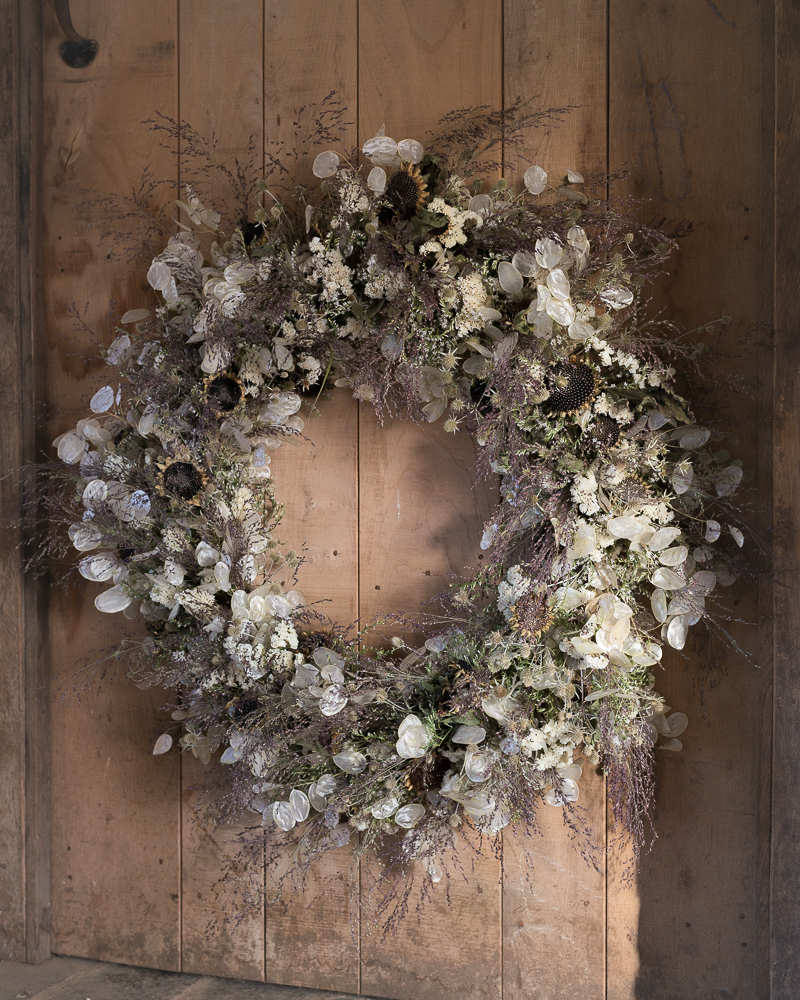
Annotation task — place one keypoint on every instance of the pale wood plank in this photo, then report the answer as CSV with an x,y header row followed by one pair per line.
x,y
420,518
115,806
449,943
309,50
685,111
14,330
226,104
556,53
784,923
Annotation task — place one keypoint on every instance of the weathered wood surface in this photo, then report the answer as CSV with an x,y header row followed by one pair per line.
x,y
680,96
116,808
695,154
784,923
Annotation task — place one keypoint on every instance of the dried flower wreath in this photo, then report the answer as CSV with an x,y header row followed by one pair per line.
x,y
515,316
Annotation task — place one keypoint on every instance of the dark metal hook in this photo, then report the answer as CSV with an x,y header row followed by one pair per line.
x,y
77,51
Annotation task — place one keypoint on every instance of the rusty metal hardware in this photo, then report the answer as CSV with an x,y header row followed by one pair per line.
x,y
76,51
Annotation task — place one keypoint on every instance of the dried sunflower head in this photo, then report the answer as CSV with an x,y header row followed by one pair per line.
x,y
631,491
572,386
406,193
224,392
605,433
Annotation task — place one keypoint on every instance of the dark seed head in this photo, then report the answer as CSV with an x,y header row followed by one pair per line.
x,y
605,433
225,392
403,194
572,385
182,480
240,709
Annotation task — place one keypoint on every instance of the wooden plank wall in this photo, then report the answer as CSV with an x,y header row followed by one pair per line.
x,y
681,96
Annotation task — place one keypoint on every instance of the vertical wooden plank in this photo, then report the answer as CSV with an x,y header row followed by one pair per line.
x,y
310,50
556,53
24,829
420,520
785,908
685,110
228,105
115,806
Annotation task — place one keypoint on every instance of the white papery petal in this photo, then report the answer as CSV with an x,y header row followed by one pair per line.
x,y
299,804
510,279
98,568
206,554
133,316
667,579
163,743
411,150
111,601
409,816
558,284
713,529
284,817
574,177
326,164
662,538
376,181
469,734
616,296
349,761
548,252
102,400
658,603
535,179
728,480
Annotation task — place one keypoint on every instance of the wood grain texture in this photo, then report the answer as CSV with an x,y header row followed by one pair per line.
x,y
226,104
785,874
555,56
115,807
449,943
554,902
310,50
685,112
13,236
213,941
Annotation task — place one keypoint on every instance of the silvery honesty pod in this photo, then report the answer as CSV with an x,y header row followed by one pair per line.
x,y
510,279
102,400
525,263
71,448
99,567
84,537
667,579
326,785
163,743
616,296
326,164
568,792
409,816
318,801
384,808
284,816
376,181
535,179
410,150
478,765
113,600
299,804
350,761
674,556
333,700
469,734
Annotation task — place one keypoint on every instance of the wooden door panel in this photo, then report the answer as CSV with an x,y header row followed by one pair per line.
x,y
389,515
115,807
